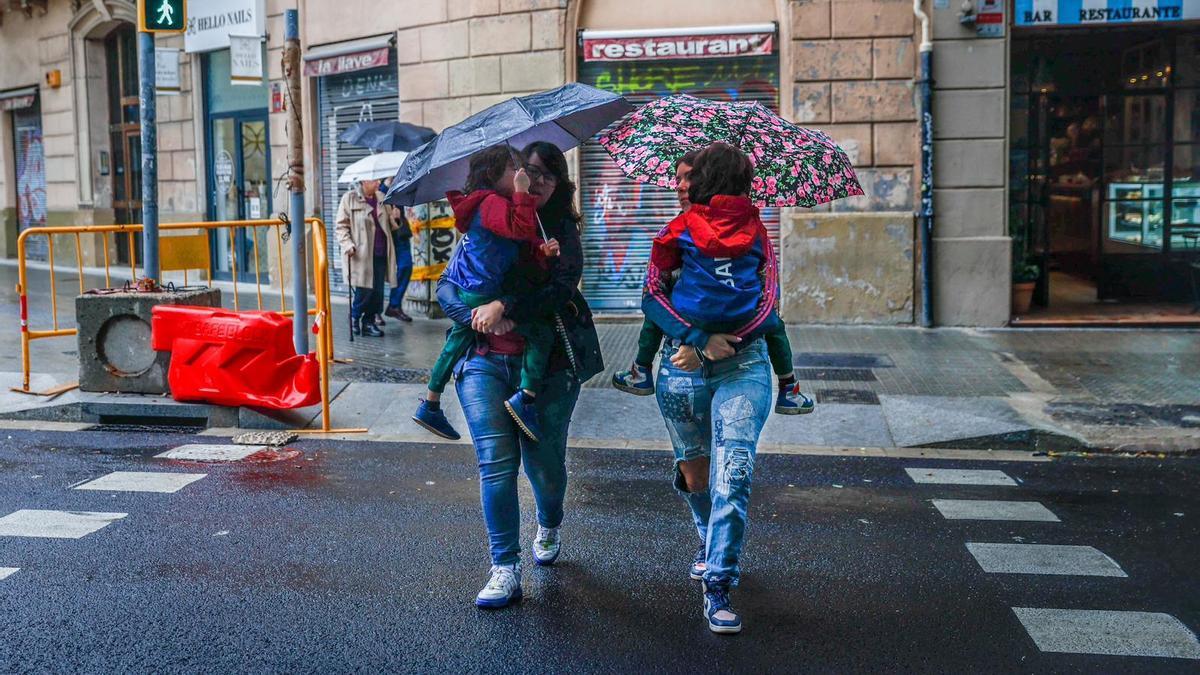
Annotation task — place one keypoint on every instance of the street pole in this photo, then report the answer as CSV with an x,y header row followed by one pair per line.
x,y
291,71
149,122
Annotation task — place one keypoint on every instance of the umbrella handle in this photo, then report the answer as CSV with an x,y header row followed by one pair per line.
x,y
350,293
512,153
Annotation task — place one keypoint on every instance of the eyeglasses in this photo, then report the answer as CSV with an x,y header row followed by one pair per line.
x,y
535,173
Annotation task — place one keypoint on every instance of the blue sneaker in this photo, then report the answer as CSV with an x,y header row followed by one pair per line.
x,y
430,416
524,413
696,571
637,381
546,546
791,401
503,587
720,614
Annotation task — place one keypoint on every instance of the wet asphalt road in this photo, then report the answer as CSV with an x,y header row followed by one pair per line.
x,y
365,557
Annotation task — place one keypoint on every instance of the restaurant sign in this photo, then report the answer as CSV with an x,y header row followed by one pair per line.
x,y
639,48
346,63
1035,13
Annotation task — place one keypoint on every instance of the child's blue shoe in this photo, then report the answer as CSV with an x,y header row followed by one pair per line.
x,y
430,416
791,401
637,381
524,413
720,613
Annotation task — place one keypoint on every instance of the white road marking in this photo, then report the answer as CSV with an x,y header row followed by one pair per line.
x,y
986,509
960,477
202,452
6,572
55,524
1044,559
1081,631
142,481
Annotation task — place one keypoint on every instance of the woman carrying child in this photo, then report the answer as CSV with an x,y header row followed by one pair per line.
x,y
714,389
489,374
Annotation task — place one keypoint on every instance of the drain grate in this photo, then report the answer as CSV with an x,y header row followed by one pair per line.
x,y
851,396
148,428
841,360
389,375
835,374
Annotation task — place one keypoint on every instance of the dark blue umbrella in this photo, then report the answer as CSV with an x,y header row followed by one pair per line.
x,y
565,117
387,136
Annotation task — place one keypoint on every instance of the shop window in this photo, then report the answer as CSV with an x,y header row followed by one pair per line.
x,y
1136,119
1187,61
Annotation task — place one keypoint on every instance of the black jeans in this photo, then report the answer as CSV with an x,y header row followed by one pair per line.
x,y
368,302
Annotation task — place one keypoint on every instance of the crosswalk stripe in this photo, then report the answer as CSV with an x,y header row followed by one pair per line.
x,y
1044,559
1108,632
205,452
55,524
142,481
6,572
960,476
987,509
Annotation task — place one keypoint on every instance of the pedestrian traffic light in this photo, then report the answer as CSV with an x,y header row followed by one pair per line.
x,y
162,16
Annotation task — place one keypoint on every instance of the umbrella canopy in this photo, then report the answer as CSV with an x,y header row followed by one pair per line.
x,y
793,166
387,136
564,116
373,167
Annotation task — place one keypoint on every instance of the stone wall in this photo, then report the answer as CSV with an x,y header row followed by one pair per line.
x,y
972,264
853,64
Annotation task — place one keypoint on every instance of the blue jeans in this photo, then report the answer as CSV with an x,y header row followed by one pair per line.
x,y
718,412
404,268
484,382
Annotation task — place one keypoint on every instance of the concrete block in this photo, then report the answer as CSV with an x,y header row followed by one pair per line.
x,y
406,13
509,6
872,18
855,139
964,64
873,101
887,189
463,9
408,46
896,144
482,102
183,165
831,59
54,48
946,25
444,41
842,268
424,81
894,58
170,137
811,19
475,76
969,113
811,103
548,29
532,71
969,212
979,163
500,34
441,113
972,281
114,339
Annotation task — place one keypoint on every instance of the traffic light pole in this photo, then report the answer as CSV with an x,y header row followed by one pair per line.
x,y
149,124
291,71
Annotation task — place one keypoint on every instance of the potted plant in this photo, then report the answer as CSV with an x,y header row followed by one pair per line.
x,y
1024,278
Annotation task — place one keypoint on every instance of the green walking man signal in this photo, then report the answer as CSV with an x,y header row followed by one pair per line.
x,y
162,16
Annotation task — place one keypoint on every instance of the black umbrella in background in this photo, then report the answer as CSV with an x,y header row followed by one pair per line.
x,y
387,136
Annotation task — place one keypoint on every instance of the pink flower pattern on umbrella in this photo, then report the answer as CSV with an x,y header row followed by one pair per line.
x,y
794,166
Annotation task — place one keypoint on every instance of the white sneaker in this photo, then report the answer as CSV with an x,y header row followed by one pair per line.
x,y
503,588
546,545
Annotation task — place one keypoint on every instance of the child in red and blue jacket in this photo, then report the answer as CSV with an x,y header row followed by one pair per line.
x,y
727,281
497,217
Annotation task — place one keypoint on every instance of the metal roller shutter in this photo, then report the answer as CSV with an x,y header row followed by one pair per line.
x,y
621,216
31,177
343,100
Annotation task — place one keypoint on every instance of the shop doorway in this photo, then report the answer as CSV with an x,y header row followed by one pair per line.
x,y
1104,187
124,133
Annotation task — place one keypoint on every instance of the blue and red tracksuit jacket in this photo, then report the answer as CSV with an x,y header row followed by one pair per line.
x,y
494,228
728,280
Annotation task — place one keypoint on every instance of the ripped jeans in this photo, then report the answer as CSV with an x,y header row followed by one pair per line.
x,y
718,411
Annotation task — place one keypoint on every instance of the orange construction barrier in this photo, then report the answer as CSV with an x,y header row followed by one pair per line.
x,y
234,358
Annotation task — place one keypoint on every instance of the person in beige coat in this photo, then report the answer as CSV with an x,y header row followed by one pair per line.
x,y
364,231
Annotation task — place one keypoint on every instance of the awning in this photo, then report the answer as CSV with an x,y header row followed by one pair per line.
x,y
703,42
16,99
346,57
1035,13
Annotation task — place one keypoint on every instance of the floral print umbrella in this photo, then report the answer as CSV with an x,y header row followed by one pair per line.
x,y
793,166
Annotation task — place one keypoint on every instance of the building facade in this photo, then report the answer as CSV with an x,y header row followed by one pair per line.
x,y
68,127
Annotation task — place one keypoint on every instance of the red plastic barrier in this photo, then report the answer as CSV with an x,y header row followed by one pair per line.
x,y
234,358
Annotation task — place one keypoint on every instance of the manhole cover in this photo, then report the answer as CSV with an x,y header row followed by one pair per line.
x,y
851,396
